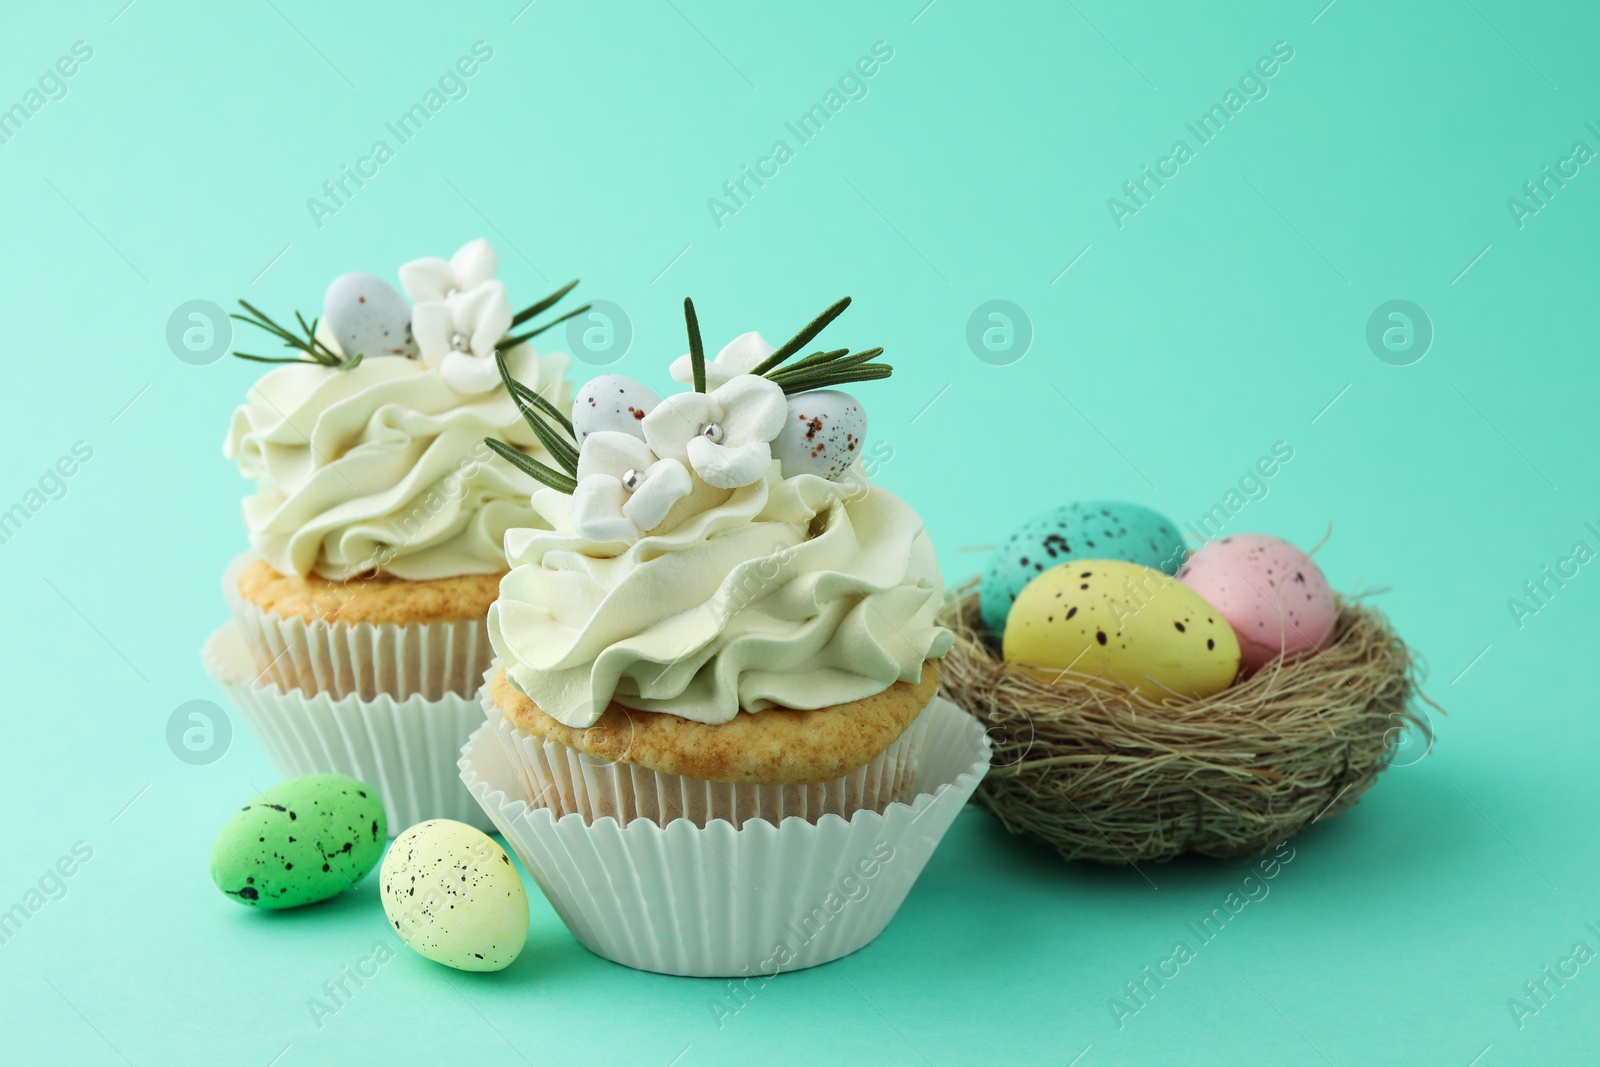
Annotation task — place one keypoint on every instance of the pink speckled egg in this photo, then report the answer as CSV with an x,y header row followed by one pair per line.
x,y
1275,598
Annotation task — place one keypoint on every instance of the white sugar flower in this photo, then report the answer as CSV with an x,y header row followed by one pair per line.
x,y
457,334
725,435
742,355
623,489
431,278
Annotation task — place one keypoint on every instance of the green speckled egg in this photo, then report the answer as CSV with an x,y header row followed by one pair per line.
x,y
1090,529
452,894
1123,626
303,840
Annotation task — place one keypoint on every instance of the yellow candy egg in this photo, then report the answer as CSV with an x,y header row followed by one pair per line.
x,y
1125,626
452,894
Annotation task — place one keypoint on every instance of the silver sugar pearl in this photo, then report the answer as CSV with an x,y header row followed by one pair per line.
x,y
712,431
458,342
632,479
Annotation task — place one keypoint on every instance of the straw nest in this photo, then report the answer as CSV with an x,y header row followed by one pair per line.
x,y
1099,775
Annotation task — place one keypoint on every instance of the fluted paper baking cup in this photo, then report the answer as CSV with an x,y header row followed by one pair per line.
x,y
719,902
367,659
405,749
566,781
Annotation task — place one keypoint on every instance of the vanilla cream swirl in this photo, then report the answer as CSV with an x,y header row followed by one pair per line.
x,y
793,593
383,468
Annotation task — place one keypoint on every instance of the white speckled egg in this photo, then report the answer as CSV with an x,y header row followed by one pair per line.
x,y
367,315
822,434
612,402
454,896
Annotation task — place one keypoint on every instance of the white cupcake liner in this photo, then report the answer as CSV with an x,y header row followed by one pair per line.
x,y
366,659
405,749
567,781
717,901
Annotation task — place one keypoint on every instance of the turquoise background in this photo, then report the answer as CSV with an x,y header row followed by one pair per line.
x,y
1228,314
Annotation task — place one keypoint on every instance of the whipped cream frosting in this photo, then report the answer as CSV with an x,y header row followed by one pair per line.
x,y
787,592
384,467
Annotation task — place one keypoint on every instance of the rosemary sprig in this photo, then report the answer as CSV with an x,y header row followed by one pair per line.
x,y
804,337
276,359
561,483
829,362
820,370
534,409
542,305
549,410
823,379
508,342
314,351
697,347
562,449
813,358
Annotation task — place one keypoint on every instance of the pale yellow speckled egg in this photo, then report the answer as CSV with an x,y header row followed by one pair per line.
x,y
454,895
1124,625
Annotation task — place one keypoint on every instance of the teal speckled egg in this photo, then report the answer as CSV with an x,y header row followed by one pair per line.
x,y
1089,529
303,840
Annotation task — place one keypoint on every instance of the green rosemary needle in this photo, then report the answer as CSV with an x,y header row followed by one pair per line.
x,y
809,361
506,344
542,305
314,351
803,338
803,369
824,377
562,450
561,483
550,411
697,350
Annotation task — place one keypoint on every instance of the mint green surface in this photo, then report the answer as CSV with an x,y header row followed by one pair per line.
x,y
1227,314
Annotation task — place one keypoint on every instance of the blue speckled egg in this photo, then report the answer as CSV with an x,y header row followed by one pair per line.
x,y
821,435
368,317
612,402
1089,529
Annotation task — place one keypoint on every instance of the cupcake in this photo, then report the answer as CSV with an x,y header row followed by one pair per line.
x,y
716,666
389,456
380,510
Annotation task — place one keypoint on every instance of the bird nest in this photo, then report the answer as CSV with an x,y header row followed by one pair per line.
x,y
1101,775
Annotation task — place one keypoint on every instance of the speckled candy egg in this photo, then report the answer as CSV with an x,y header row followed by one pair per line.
x,y
1094,529
1126,626
1270,592
612,402
367,315
453,895
303,840
822,434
